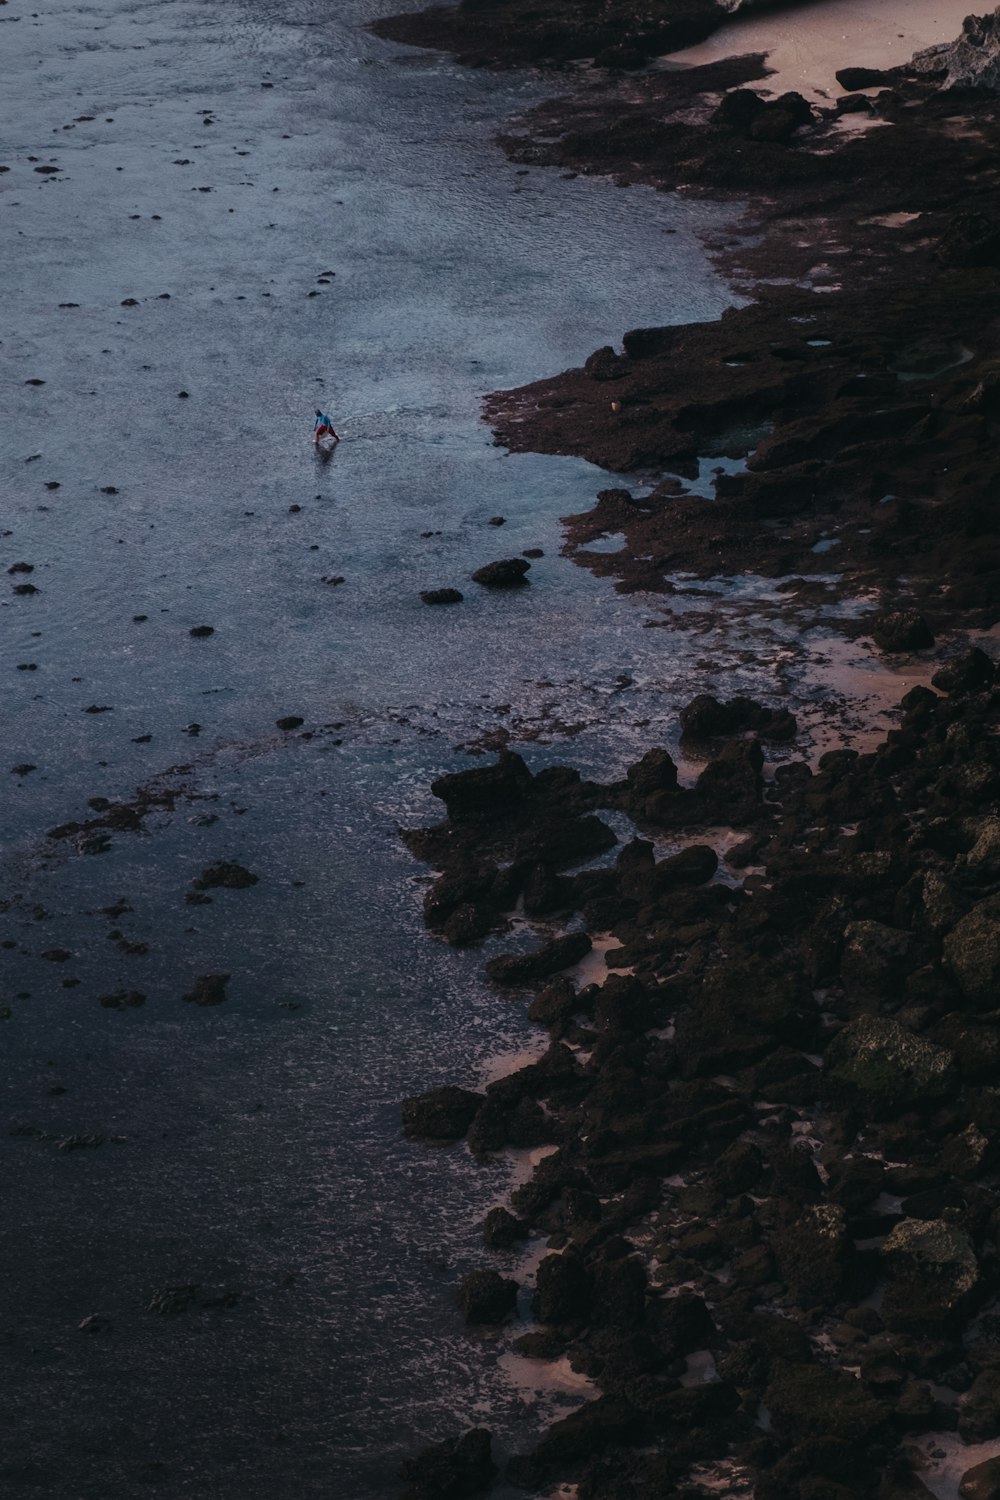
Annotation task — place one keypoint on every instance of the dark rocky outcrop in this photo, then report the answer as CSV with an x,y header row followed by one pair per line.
x,y
452,1470
442,1114
486,1297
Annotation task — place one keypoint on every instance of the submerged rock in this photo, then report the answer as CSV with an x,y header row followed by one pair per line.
x,y
208,989
441,596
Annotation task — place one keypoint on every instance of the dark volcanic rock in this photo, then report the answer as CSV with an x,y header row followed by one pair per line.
x,y
560,953
484,791
564,1290
705,717
863,78
486,1297
501,1230
442,1114
452,1470
506,574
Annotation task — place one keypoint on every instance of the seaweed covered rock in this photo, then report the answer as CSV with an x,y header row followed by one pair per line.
x,y
874,954
972,948
968,673
902,630
812,1250
933,1276
818,1401
876,1060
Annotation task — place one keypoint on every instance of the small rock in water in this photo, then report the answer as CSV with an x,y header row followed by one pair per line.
x,y
290,721
498,520
202,630
227,873
208,989
505,574
122,1000
441,596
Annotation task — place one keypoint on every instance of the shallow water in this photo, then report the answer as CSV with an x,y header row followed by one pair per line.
x,y
251,1152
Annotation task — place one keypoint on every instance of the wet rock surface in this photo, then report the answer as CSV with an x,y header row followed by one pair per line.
x,y
773,1134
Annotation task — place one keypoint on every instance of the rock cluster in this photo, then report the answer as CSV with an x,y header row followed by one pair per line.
x,y
776,1127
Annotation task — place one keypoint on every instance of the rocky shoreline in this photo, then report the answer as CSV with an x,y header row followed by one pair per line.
x,y
771,1195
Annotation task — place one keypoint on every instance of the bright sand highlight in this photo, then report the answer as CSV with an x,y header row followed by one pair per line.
x,y
808,44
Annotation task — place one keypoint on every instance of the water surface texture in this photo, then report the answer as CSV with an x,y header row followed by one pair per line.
x,y
268,210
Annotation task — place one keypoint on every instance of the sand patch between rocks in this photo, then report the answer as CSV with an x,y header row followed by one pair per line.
x,y
807,45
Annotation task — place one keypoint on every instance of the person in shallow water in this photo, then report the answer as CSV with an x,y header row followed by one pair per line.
x,y
323,427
